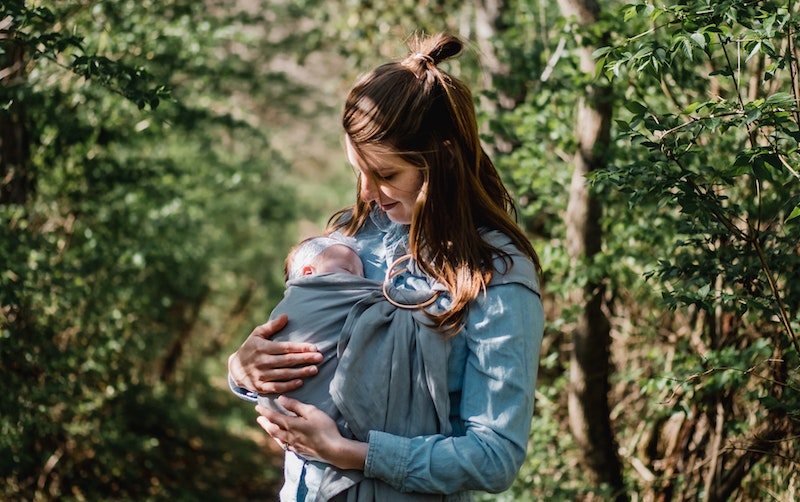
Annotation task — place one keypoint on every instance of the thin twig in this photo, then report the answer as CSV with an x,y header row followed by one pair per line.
x,y
774,287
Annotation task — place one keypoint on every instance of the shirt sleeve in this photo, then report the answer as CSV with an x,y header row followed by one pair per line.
x,y
503,333
241,392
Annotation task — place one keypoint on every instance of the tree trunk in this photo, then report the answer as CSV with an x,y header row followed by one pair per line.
x,y
589,366
488,24
16,184
184,315
489,27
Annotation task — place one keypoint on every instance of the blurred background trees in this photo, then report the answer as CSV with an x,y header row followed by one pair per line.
x,y
157,159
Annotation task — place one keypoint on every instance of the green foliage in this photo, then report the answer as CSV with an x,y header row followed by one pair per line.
x,y
33,28
710,125
154,224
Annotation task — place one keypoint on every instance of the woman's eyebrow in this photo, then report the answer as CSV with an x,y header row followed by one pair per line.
x,y
381,170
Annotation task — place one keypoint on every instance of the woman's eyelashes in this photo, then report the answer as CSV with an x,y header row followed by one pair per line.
x,y
384,176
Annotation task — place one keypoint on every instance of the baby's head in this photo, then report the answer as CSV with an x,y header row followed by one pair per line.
x,y
320,255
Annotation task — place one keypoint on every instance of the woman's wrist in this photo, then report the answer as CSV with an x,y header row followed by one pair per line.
x,y
349,454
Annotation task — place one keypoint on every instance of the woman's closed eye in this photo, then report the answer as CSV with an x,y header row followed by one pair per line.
x,y
384,176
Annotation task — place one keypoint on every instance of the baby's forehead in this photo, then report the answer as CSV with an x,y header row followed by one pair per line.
x,y
338,249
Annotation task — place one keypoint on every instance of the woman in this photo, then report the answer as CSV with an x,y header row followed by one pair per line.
x,y
427,189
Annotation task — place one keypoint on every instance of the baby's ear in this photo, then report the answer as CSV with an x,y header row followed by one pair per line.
x,y
308,270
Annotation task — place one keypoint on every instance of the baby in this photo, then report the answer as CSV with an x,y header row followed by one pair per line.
x,y
317,309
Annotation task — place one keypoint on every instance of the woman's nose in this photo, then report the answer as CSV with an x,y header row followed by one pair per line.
x,y
369,190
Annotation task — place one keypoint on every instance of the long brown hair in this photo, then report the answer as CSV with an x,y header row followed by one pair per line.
x,y
428,117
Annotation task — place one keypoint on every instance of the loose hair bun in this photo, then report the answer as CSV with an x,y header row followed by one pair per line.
x,y
432,50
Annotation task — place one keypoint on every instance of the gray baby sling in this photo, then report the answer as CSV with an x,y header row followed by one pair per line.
x,y
383,369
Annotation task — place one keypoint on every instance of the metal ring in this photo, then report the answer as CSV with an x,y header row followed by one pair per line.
x,y
392,273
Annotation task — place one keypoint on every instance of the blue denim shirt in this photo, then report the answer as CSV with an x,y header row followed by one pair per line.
x,y
492,373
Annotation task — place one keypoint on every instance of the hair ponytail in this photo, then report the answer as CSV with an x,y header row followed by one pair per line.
x,y
432,50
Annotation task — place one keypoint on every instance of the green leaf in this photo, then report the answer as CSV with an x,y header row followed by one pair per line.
x,y
794,214
755,51
699,39
635,107
629,13
602,51
780,99
752,115
693,107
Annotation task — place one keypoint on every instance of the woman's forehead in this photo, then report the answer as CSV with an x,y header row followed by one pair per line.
x,y
373,156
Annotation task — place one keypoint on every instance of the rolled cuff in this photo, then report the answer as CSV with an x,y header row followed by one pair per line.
x,y
241,392
387,458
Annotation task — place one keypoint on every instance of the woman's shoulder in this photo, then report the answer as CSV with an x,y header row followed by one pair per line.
x,y
511,265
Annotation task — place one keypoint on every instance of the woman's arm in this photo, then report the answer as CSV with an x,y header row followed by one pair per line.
x,y
267,367
503,339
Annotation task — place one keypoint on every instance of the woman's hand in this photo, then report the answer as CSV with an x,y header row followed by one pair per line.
x,y
312,434
269,367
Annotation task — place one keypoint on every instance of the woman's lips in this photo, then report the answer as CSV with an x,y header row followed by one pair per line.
x,y
387,207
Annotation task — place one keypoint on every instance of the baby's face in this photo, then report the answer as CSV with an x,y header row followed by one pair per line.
x,y
338,258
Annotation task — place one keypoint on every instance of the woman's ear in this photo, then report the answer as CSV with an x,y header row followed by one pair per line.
x,y
308,270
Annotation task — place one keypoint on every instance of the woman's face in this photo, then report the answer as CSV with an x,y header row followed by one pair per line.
x,y
391,182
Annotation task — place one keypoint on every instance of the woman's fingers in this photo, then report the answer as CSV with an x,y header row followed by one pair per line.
x,y
270,428
261,337
288,352
297,407
278,387
277,425
302,434
280,373
270,367
271,327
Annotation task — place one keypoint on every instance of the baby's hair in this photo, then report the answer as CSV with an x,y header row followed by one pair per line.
x,y
305,251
